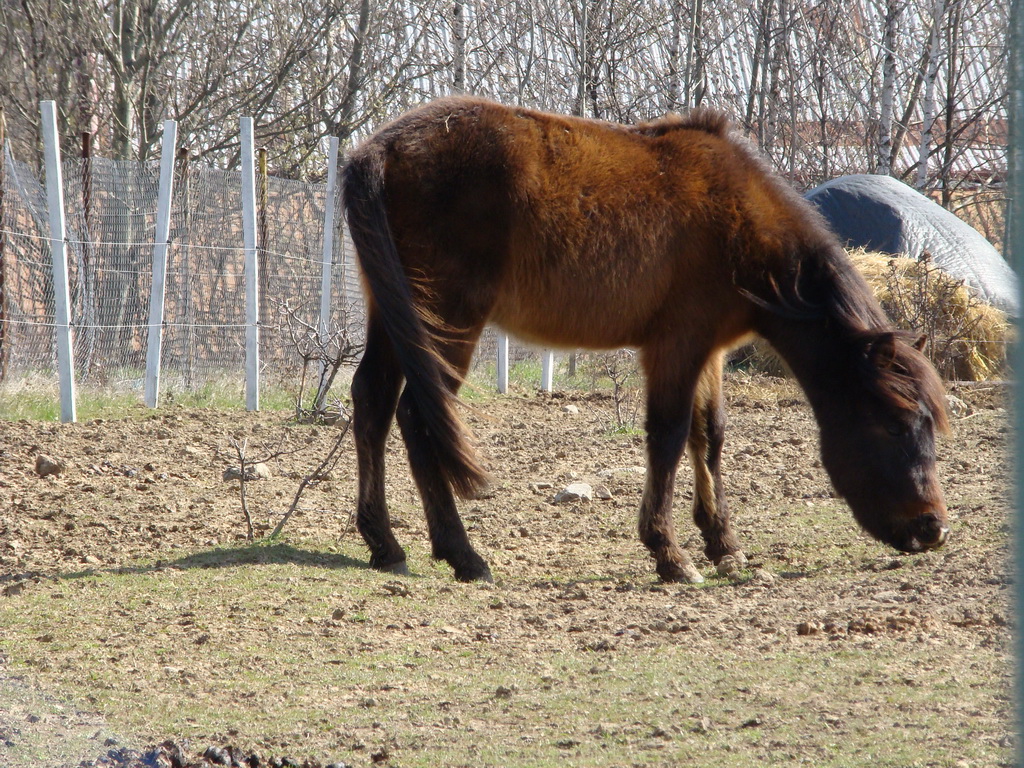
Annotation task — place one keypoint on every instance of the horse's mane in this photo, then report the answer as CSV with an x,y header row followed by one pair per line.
x,y
889,360
897,373
819,282
701,119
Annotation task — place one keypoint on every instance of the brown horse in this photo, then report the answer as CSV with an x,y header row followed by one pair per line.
x,y
677,241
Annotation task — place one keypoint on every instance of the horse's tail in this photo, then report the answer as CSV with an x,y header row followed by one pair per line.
x,y
434,415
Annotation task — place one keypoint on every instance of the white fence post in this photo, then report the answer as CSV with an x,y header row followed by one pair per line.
x,y
502,362
156,294
59,256
547,370
328,252
252,283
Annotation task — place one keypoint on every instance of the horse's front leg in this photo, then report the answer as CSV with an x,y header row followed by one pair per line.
x,y
670,392
707,435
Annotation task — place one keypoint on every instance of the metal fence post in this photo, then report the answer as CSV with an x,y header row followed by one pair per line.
x,y
59,255
4,344
1015,242
502,363
156,295
328,251
252,283
547,370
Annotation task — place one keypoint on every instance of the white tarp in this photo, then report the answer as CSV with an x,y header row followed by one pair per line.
x,y
880,213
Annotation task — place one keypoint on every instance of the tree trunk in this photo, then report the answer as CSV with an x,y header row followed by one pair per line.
x,y
583,58
760,53
124,125
884,166
459,46
4,346
932,58
125,23
587,75
694,93
354,82
674,87
952,42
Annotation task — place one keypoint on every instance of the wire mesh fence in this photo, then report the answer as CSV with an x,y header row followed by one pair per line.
x,y
27,304
110,209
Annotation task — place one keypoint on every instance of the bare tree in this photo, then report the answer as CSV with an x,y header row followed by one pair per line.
x,y
458,45
824,87
932,59
762,46
674,75
696,73
298,67
886,101
323,353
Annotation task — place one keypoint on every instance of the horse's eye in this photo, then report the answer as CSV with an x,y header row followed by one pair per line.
x,y
895,429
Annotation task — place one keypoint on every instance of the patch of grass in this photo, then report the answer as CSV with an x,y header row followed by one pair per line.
x,y
523,375
227,394
43,403
625,429
36,397
297,648
32,397
81,736
32,408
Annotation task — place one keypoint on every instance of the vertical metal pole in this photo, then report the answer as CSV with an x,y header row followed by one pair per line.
x,y
262,235
547,370
160,240
188,301
87,272
328,252
1015,240
252,282
4,345
502,363
59,255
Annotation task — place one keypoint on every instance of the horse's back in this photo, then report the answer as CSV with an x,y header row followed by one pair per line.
x,y
579,232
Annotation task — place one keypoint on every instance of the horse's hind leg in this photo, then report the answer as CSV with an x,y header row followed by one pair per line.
x,y
670,391
707,434
375,388
448,537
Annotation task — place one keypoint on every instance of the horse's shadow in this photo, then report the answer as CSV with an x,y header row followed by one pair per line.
x,y
251,553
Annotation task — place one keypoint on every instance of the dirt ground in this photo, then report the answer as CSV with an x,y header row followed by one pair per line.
x,y
151,486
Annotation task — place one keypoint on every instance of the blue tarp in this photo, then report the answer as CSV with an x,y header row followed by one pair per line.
x,y
880,213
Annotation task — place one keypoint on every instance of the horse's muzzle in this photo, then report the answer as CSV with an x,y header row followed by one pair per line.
x,y
928,531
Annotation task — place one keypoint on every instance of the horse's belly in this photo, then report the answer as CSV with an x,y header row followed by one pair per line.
x,y
570,314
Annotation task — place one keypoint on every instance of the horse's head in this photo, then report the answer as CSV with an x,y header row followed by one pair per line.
x,y
878,443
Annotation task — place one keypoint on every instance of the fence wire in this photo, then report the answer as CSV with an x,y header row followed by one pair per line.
x,y
110,209
26,277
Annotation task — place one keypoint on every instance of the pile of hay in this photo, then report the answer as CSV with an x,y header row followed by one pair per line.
x,y
968,340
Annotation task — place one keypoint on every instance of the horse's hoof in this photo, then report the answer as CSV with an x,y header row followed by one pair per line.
x,y
477,573
400,568
691,575
680,574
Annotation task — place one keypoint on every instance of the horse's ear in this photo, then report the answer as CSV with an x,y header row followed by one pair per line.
x,y
881,350
921,341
